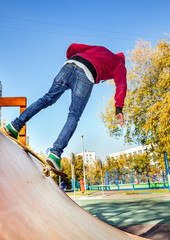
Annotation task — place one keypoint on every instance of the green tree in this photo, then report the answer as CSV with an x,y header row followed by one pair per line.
x,y
109,163
93,171
141,163
78,167
112,163
97,168
90,173
147,105
66,167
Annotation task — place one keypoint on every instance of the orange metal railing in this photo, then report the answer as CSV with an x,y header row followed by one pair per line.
x,y
16,102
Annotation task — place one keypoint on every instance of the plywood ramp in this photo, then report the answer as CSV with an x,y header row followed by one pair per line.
x,y
34,207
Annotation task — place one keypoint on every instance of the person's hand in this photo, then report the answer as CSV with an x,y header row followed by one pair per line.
x,y
120,117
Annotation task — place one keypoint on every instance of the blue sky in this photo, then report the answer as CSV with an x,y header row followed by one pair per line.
x,y
34,37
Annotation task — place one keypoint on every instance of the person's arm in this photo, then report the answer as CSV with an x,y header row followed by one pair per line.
x,y
121,89
77,48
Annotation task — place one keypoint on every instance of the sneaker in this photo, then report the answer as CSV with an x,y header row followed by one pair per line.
x,y
11,131
54,161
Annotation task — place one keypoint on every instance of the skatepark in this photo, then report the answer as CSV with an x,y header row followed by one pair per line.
x,y
34,207
118,185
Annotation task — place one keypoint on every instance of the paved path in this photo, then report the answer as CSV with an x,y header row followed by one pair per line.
x,y
146,215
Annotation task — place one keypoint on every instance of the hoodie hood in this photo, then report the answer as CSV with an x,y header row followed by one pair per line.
x,y
122,56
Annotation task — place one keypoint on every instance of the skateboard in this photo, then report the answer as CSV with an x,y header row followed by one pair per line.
x,y
46,168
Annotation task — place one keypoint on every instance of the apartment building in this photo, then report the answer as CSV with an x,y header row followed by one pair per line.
x,y
130,152
89,157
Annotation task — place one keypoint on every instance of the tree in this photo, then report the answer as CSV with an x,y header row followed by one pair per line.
x,y
78,167
93,171
109,163
147,105
141,163
115,163
66,167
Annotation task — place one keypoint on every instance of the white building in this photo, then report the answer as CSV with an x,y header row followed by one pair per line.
x,y
130,152
89,157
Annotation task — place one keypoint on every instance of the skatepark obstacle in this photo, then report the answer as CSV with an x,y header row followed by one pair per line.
x,y
33,207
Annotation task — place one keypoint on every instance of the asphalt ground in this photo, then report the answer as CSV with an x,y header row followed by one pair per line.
x,y
146,215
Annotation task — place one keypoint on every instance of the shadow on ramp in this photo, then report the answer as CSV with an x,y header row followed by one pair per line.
x,y
34,207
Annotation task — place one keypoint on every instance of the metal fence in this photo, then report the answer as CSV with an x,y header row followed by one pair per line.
x,y
130,180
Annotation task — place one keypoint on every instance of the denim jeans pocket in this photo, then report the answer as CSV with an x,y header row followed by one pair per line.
x,y
59,79
82,87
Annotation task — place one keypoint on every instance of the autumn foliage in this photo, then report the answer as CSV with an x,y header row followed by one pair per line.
x,y
147,105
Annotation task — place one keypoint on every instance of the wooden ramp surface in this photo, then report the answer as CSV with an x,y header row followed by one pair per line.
x,y
34,207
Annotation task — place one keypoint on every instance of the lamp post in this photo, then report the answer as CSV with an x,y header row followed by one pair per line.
x,y
73,173
101,165
83,162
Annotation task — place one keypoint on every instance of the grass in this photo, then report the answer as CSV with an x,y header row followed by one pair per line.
x,y
80,193
152,191
145,191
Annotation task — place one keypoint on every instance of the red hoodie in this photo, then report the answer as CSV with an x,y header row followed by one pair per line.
x,y
107,64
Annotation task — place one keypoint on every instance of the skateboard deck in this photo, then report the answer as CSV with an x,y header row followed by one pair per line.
x,y
46,167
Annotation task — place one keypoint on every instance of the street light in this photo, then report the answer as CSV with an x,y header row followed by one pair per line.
x,y
83,162
101,165
73,173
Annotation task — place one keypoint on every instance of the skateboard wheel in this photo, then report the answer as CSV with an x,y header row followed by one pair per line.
x,y
47,174
45,171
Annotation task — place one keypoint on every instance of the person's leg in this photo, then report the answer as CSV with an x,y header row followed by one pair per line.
x,y
81,89
58,87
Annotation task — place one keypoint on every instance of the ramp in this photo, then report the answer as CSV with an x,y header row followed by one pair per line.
x,y
33,207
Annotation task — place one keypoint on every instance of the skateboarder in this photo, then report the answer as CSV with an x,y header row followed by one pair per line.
x,y
86,65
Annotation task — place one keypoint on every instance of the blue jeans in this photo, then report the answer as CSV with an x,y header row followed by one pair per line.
x,y
69,77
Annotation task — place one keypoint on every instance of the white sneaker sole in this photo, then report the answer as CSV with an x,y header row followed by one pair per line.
x,y
52,164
